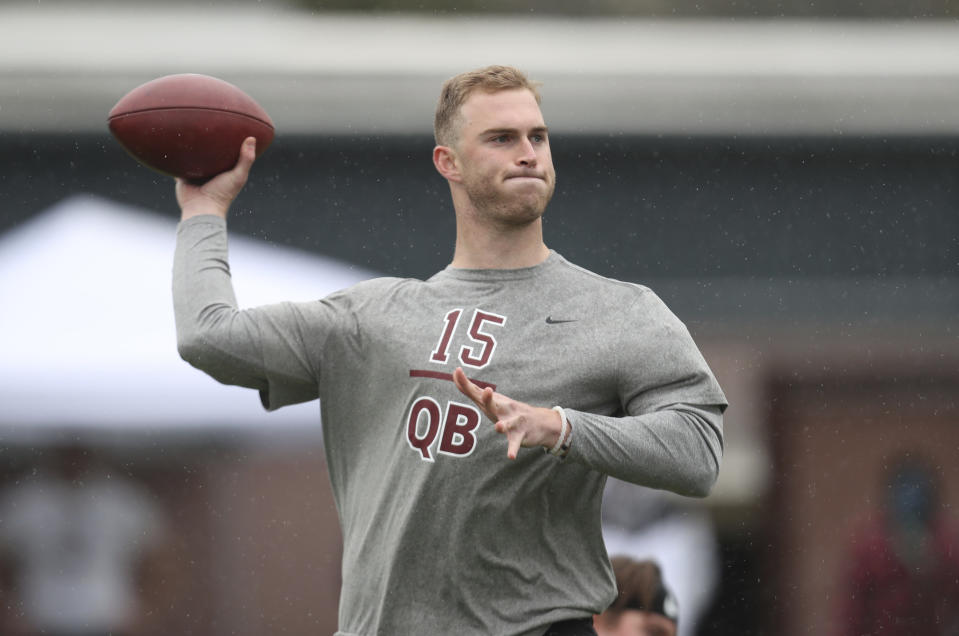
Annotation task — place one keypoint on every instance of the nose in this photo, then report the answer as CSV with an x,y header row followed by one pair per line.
x,y
527,154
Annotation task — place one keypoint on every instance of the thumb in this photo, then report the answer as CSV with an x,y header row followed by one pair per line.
x,y
225,187
241,171
247,153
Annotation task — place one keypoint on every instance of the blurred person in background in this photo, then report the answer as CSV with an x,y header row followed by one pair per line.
x,y
75,538
644,523
902,574
644,605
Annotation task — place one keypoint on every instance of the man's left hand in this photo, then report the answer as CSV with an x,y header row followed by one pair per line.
x,y
523,425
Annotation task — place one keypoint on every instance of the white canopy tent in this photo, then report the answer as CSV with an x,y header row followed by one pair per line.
x,y
87,339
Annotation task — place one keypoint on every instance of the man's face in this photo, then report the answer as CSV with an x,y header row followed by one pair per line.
x,y
636,623
505,161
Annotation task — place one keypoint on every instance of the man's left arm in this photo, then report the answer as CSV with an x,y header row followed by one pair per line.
x,y
671,434
678,449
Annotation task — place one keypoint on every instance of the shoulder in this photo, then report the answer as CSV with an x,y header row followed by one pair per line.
x,y
589,278
375,294
376,288
630,296
381,285
632,310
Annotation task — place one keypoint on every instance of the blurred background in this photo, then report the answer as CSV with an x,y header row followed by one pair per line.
x,y
785,175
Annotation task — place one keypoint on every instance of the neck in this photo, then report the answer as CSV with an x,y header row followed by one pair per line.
x,y
499,248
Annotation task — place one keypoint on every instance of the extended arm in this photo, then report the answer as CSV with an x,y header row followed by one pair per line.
x,y
670,433
677,449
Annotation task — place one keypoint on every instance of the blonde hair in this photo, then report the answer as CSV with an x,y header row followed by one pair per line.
x,y
457,89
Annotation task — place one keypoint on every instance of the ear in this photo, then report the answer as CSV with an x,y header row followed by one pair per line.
x,y
600,623
446,162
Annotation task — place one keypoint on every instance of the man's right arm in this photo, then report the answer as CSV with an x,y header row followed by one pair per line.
x,y
275,349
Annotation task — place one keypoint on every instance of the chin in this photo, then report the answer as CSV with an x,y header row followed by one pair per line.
x,y
523,215
513,208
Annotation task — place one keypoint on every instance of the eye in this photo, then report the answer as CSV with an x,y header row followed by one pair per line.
x,y
537,138
501,139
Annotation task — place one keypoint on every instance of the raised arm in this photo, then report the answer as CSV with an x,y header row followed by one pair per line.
x,y
274,349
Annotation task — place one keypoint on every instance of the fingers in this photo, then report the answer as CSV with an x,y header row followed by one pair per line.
x,y
483,398
466,387
514,440
486,400
216,195
513,445
514,436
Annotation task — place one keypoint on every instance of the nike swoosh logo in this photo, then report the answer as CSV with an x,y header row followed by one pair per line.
x,y
550,321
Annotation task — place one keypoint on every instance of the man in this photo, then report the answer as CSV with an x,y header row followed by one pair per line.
x,y
678,532
901,575
445,531
644,605
82,544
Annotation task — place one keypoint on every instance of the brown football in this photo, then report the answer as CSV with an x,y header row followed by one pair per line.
x,y
188,125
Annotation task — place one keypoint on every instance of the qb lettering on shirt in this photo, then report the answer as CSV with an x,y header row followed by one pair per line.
x,y
454,426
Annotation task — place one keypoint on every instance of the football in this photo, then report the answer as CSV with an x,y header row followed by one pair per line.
x,y
188,125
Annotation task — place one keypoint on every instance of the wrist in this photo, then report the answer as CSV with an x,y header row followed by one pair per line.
x,y
560,447
190,211
200,200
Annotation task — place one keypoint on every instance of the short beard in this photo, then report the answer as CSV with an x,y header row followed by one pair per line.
x,y
507,211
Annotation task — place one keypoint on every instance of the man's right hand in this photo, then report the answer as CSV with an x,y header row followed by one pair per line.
x,y
216,195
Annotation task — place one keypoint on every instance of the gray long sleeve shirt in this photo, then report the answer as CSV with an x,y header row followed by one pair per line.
x,y
443,534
